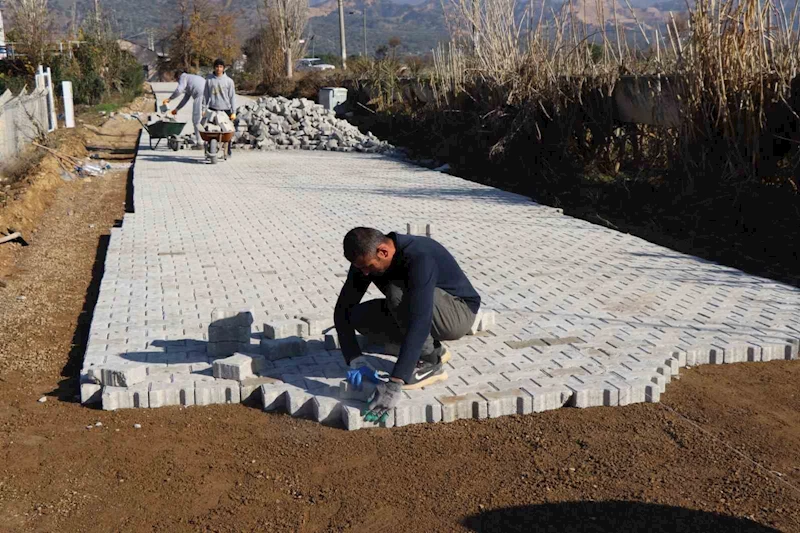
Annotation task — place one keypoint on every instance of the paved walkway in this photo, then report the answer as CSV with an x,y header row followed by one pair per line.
x,y
585,316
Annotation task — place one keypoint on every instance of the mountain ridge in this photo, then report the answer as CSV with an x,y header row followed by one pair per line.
x,y
419,24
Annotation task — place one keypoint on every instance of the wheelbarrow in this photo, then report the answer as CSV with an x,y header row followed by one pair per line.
x,y
216,142
164,130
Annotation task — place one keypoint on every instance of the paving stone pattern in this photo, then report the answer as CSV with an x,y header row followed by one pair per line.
x,y
583,315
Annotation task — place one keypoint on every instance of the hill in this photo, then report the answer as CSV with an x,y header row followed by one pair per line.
x,y
419,24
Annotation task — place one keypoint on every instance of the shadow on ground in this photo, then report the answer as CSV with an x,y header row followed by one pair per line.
x,y
609,516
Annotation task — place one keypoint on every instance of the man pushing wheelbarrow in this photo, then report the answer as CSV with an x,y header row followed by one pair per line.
x,y
219,96
191,86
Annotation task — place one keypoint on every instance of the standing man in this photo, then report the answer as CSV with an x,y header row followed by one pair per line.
x,y
194,87
428,299
220,93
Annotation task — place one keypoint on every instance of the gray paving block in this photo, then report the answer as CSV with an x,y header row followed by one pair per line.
x,y
180,393
91,393
741,353
282,329
299,402
277,349
415,229
327,411
318,324
273,396
470,405
549,398
238,366
217,391
133,397
417,412
592,392
251,387
484,320
508,402
777,351
122,374
231,317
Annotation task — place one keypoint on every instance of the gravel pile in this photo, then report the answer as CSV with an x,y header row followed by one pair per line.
x,y
282,124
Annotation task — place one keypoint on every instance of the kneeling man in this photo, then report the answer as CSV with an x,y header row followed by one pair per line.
x,y
428,299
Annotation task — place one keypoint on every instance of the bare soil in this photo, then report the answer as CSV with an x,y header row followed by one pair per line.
x,y
720,453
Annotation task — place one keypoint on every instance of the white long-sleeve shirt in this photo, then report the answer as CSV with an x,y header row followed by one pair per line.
x,y
191,86
220,93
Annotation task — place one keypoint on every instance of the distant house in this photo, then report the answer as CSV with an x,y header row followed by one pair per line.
x,y
146,57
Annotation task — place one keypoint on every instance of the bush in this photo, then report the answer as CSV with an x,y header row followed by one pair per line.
x,y
100,70
14,84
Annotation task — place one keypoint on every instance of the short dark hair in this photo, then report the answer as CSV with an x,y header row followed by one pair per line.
x,y
178,73
218,62
362,242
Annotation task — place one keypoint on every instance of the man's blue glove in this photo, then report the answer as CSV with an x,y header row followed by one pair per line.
x,y
355,377
386,397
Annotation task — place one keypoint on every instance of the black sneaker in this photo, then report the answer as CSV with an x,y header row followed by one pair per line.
x,y
440,354
426,374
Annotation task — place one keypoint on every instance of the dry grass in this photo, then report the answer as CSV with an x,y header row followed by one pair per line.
x,y
733,64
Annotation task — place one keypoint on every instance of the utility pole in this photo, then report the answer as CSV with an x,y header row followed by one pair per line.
x,y
341,34
151,40
476,20
364,13
74,22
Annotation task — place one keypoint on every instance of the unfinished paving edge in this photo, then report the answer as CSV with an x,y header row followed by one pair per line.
x,y
609,391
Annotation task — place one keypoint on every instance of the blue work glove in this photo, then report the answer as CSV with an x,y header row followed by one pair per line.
x,y
355,377
387,396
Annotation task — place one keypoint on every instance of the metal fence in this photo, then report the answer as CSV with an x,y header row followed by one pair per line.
x,y
25,117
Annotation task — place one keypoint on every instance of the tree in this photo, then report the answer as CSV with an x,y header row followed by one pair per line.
x,y
33,26
288,18
393,43
265,61
204,33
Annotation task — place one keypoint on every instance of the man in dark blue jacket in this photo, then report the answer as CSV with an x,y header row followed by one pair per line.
x,y
428,300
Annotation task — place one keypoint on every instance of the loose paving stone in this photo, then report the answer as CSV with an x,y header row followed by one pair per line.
x,y
91,393
238,367
283,329
572,313
122,374
277,349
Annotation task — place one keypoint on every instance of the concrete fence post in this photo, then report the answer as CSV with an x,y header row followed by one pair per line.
x,y
69,110
51,101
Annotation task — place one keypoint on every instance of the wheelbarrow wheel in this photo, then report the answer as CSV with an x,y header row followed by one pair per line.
x,y
212,151
174,144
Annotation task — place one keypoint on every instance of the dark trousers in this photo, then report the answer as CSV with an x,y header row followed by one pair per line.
x,y
385,320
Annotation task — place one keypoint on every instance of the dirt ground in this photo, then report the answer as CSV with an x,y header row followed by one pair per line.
x,y
720,453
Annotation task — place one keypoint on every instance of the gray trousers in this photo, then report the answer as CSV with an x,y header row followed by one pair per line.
x,y
197,116
385,320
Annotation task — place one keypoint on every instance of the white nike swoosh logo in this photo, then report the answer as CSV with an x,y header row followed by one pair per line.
x,y
419,377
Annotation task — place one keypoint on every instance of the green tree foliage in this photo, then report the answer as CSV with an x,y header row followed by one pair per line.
x,y
99,70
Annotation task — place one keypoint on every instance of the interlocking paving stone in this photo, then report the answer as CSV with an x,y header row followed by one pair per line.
x,y
577,314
